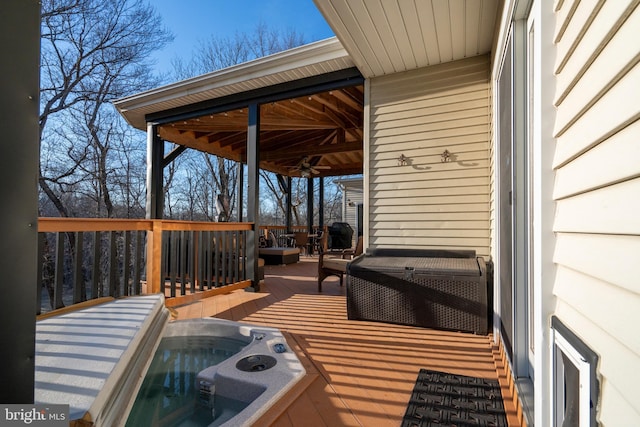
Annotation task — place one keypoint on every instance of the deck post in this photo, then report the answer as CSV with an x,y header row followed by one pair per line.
x,y
288,203
253,192
240,198
154,258
321,203
19,107
155,156
309,211
154,208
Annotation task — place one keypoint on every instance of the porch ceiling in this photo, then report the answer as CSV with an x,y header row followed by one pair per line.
x,y
325,128
385,37
209,112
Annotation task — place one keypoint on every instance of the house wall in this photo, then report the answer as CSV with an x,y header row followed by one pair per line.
x,y
597,192
351,197
427,203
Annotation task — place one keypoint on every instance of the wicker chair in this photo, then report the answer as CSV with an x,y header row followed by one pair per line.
x,y
334,263
302,241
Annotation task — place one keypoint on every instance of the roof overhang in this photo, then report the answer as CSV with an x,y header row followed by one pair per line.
x,y
311,111
306,61
385,37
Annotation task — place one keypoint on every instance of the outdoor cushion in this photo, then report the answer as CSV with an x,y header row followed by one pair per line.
x,y
336,264
281,255
279,251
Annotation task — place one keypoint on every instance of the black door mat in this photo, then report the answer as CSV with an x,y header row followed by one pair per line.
x,y
442,399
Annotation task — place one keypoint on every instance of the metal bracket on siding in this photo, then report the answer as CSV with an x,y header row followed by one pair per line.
x,y
445,156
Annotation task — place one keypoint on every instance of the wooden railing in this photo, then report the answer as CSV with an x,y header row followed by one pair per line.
x,y
82,259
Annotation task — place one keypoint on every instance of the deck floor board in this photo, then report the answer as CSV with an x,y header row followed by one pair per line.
x,y
364,371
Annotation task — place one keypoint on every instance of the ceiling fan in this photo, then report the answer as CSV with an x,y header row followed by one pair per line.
x,y
306,169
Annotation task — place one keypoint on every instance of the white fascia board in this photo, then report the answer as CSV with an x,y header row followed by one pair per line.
x,y
350,182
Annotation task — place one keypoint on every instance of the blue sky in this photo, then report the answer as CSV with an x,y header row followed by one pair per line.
x,y
195,20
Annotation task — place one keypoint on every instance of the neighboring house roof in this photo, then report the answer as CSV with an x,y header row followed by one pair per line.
x,y
385,37
350,182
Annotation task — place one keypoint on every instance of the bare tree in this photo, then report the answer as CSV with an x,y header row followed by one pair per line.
x,y
266,41
332,203
129,181
92,52
275,189
216,53
193,184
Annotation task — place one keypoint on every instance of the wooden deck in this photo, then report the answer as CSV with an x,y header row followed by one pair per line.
x,y
358,373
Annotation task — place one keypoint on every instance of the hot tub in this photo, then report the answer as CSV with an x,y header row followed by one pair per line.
x,y
213,372
209,372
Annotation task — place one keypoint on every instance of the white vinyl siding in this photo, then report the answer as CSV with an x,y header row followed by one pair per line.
x,y
353,196
427,203
597,192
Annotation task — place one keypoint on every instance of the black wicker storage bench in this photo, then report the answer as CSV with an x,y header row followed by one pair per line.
x,y
427,288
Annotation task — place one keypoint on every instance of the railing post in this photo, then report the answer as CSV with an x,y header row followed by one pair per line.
x,y
126,264
59,272
289,198
40,261
320,203
96,274
154,258
79,290
113,283
137,286
309,212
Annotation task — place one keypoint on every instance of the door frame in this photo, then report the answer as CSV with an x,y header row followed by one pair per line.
x,y
516,30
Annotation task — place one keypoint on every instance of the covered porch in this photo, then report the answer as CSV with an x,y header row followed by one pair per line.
x,y
421,141
358,373
296,114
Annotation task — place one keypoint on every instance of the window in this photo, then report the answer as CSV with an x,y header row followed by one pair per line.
x,y
574,386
